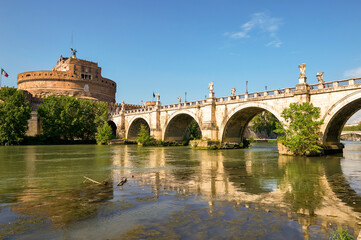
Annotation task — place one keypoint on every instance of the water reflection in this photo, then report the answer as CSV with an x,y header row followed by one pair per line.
x,y
310,188
41,190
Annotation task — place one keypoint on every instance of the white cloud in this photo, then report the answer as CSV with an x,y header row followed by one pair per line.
x,y
275,43
263,23
353,73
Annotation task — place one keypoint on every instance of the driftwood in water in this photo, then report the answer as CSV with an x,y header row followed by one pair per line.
x,y
100,183
121,183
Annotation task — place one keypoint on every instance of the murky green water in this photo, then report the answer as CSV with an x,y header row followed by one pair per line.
x,y
176,193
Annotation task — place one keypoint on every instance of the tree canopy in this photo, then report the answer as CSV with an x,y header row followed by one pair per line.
x,y
300,133
14,115
264,121
69,118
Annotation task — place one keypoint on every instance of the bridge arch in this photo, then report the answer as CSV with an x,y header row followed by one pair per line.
x,y
175,128
233,126
134,127
336,117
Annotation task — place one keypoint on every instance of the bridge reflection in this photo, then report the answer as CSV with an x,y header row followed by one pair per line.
x,y
312,191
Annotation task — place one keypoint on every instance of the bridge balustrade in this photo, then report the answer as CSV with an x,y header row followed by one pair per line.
x,y
247,96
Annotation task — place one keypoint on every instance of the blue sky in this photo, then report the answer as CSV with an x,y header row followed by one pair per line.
x,y
172,47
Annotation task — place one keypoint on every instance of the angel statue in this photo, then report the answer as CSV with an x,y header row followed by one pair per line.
x,y
179,99
73,52
302,69
158,97
233,91
210,86
319,77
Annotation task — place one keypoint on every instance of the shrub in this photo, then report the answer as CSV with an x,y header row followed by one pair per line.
x,y
300,133
104,134
144,137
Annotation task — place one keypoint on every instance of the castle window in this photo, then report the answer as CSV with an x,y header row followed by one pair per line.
x,y
50,74
86,76
28,75
65,75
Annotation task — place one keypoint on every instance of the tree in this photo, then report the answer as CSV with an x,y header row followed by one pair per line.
x,y
300,133
104,134
193,132
69,118
14,115
352,128
264,121
144,138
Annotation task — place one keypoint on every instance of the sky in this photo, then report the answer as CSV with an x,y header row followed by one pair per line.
x,y
171,47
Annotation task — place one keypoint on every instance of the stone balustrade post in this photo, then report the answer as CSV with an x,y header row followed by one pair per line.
x,y
351,82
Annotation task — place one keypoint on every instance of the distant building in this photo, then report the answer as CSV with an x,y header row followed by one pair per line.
x,y
70,77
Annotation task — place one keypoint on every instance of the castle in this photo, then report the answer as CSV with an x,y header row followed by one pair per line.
x,y
71,77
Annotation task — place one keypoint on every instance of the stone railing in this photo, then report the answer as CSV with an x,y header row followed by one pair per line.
x,y
251,96
140,110
336,84
254,96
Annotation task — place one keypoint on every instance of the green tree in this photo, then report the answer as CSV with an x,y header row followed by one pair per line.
x,y
300,133
193,131
144,138
104,134
14,115
69,118
264,121
352,128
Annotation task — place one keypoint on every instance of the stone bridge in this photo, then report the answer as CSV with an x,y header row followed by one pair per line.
x,y
357,133
225,118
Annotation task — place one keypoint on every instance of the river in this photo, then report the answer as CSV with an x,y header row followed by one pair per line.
x,y
176,193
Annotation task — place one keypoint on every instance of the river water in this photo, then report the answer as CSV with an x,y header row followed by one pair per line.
x,y
176,193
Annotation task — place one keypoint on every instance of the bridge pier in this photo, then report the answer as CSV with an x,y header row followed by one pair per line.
x,y
209,126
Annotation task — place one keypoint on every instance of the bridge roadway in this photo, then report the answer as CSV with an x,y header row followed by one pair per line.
x,y
224,119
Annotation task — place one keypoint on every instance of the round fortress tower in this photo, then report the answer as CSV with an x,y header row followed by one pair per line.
x,y
70,77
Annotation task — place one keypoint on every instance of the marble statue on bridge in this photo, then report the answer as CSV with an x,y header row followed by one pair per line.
x,y
233,91
319,77
210,86
302,70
